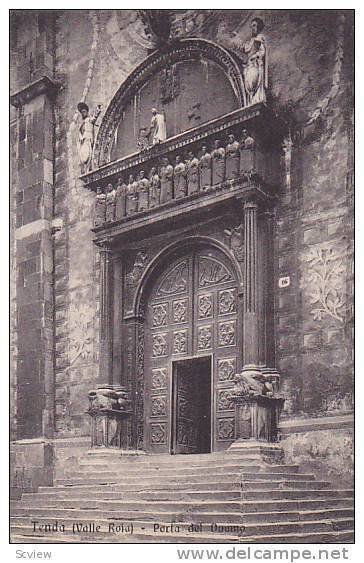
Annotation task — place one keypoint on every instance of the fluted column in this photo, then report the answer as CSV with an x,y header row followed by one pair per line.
x,y
251,313
106,292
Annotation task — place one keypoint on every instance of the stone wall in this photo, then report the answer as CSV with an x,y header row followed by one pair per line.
x,y
93,53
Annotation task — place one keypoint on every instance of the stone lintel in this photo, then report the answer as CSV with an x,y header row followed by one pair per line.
x,y
44,85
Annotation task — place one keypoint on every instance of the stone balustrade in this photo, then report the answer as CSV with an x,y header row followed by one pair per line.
x,y
213,166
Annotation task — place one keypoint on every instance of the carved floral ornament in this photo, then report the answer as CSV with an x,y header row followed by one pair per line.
x,y
324,283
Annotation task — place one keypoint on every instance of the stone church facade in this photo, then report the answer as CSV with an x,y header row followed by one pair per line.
x,y
181,213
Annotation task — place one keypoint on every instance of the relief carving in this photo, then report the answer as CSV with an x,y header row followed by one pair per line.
x,y
227,301
159,378
133,277
179,311
235,240
224,401
212,272
226,369
204,337
205,306
325,283
159,344
175,281
158,433
225,429
160,315
180,342
159,406
226,333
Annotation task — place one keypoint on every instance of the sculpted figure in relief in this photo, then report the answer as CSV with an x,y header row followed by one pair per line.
x,y
232,158
255,70
131,196
158,129
99,208
246,153
110,203
192,173
205,169
252,383
143,192
166,181
179,179
120,204
154,189
86,136
218,163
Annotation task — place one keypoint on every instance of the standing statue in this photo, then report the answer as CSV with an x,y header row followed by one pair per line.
x,y
232,158
218,163
99,208
131,196
154,189
110,203
86,137
255,69
158,129
205,169
247,163
192,173
143,192
179,179
166,181
120,204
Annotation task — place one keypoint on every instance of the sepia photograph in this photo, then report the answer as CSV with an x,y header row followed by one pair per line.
x,y
181,276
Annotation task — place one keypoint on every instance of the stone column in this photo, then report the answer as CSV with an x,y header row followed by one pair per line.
x,y
106,299
251,313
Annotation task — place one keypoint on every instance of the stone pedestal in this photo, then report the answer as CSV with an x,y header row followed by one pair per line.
x,y
257,417
109,407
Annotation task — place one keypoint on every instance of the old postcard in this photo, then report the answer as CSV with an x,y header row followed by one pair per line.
x,y
181,279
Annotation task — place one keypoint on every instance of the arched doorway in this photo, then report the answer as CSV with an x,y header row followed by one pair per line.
x,y
192,352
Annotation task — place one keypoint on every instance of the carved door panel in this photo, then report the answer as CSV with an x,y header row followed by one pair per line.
x,y
192,312
185,411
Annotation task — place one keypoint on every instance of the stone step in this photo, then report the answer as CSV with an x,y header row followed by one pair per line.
x,y
303,537
152,473
346,536
187,478
149,518
177,513
170,493
183,501
110,455
107,528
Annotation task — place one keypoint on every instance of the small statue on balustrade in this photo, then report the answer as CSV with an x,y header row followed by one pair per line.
x,y
99,208
232,158
158,129
86,135
131,196
192,174
143,139
247,160
110,203
205,169
120,203
166,181
255,69
154,188
218,163
143,192
180,179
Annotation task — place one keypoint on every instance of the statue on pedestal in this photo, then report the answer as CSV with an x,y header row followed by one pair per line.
x,y
99,208
86,137
143,192
110,203
192,173
154,188
120,203
255,69
158,129
205,169
232,158
166,181
218,163
179,179
131,196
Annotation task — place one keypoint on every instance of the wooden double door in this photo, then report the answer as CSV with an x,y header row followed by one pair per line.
x,y
193,343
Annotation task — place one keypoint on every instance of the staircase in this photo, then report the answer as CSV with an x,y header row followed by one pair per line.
x,y
206,498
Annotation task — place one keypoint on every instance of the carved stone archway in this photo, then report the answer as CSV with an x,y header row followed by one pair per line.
x,y
188,49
